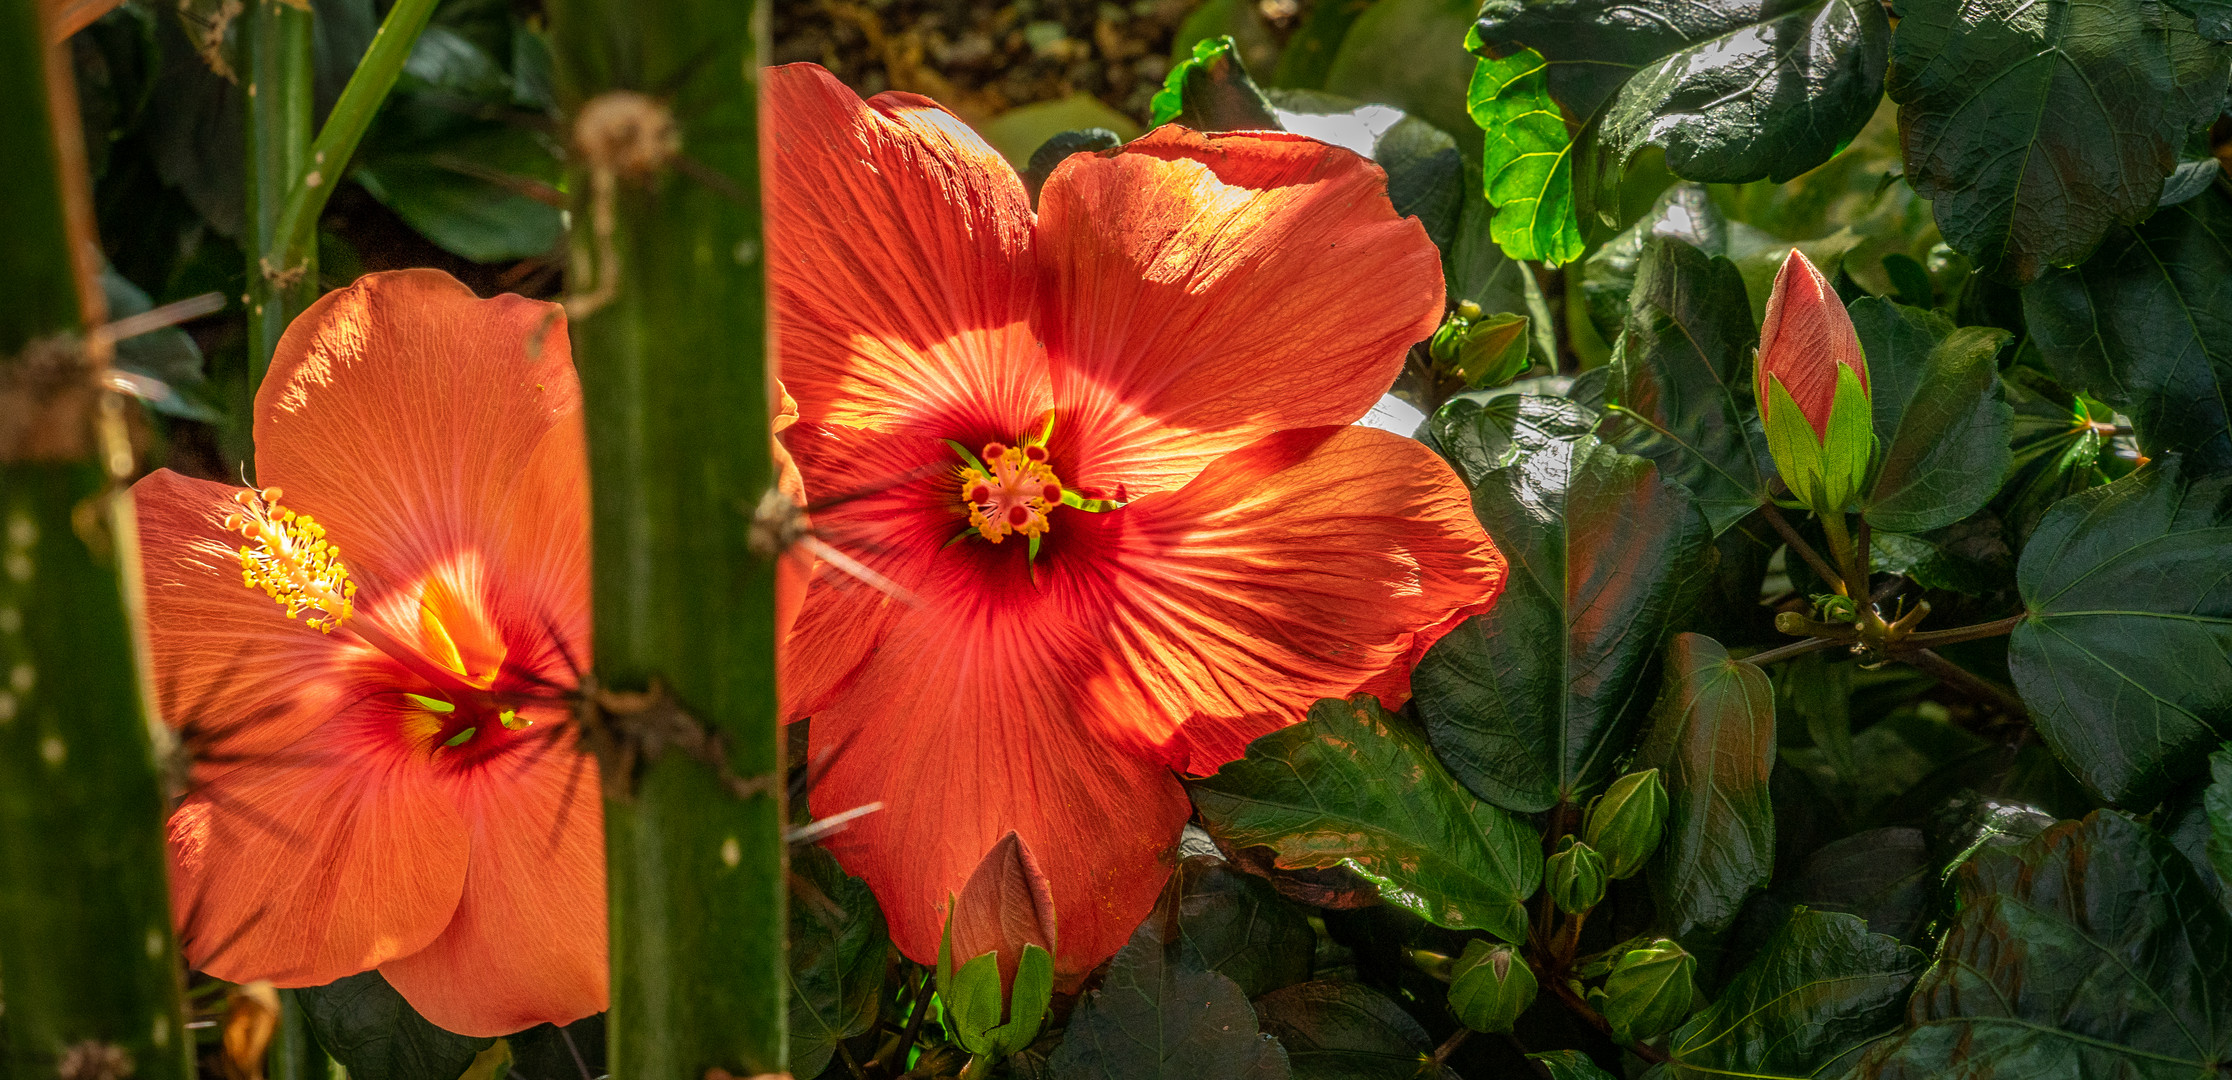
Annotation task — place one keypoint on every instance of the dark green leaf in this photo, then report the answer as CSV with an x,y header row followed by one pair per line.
x,y
1593,46
443,59
1570,1065
1409,54
1234,924
1683,212
2213,16
1425,172
1531,703
2146,325
1884,876
2216,802
1765,100
1712,737
2091,951
1480,431
1477,269
1346,1031
168,355
1679,379
1941,421
1154,1018
1352,787
550,1052
470,195
2126,658
2035,127
1211,91
1820,990
1058,148
838,953
1527,162
1309,51
376,1035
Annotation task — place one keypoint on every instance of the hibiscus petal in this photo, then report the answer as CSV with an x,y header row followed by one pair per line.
x,y
962,725
415,423
527,945
1308,565
900,260
232,672
1201,291
320,861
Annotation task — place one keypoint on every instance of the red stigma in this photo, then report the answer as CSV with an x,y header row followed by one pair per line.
x,y
1035,453
1017,515
1052,493
993,450
980,493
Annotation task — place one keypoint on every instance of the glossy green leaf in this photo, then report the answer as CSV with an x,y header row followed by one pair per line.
x,y
2213,17
1353,787
1475,268
1531,703
1712,737
368,1027
2036,127
1527,160
2146,325
838,953
471,195
1211,91
1569,1065
1819,991
2091,951
2126,658
1347,1031
1409,54
1479,432
1683,212
2216,803
1594,46
1425,171
1884,876
1680,380
1154,1018
1765,100
1941,421
1234,924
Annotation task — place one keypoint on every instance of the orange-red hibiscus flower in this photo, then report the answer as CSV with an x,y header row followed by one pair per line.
x,y
367,656
1182,332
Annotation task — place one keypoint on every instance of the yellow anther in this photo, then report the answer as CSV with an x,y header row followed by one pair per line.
x,y
289,558
1016,495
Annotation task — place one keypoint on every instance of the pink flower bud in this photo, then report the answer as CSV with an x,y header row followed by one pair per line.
x,y
1006,905
1806,337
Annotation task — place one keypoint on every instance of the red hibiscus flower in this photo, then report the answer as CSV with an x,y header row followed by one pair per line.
x,y
1101,453
368,657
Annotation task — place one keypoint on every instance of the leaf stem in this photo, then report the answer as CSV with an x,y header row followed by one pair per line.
x,y
1448,1047
1792,650
1966,681
1963,633
1798,543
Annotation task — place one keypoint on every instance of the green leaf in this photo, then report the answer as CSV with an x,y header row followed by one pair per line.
x,y
1765,100
1570,1065
2092,951
1680,380
1347,1031
838,953
1234,924
1481,431
1884,876
2213,16
1712,737
1683,212
1527,160
376,1035
1022,133
2126,658
1409,54
1156,1019
2035,127
471,194
1211,91
1819,991
1309,51
2216,802
1475,268
1594,46
2146,325
1942,423
1352,787
1425,171
1531,703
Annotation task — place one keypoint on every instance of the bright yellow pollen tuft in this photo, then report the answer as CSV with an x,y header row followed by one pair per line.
x,y
1015,497
289,559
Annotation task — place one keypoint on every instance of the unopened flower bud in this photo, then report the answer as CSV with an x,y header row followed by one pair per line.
x,y
1625,822
1650,991
1812,381
1575,876
996,963
1491,987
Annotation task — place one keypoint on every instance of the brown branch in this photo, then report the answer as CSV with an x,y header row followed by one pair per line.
x,y
1965,681
1791,651
1581,1008
1933,638
1798,544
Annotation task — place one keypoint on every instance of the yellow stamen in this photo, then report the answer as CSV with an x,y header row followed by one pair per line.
x,y
1016,495
289,558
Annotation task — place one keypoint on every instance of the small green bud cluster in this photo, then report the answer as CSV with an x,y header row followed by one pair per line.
x,y
1490,986
1626,822
1649,992
1484,350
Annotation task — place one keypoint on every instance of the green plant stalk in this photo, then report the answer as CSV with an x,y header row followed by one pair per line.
x,y
86,952
276,81
675,379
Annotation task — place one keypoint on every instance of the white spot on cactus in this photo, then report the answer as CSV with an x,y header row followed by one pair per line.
x,y
11,621
161,1035
154,943
732,852
19,566
7,706
22,531
55,751
23,678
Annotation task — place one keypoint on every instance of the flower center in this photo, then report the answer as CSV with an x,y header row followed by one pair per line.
x,y
289,559
1011,492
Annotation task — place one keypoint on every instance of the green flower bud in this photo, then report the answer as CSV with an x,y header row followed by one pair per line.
x,y
1650,991
1491,987
1625,823
1575,876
